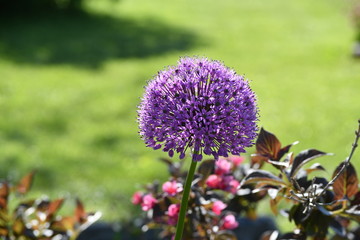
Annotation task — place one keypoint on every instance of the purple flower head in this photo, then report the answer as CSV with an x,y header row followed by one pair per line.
x,y
198,104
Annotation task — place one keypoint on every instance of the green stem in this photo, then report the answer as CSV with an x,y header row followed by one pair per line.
x,y
184,201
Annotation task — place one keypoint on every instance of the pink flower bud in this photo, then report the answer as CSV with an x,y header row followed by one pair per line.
x,y
172,188
236,160
173,213
229,222
222,166
136,198
148,202
218,206
213,181
173,210
233,186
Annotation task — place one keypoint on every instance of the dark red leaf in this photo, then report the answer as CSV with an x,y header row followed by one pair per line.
x,y
80,214
54,206
315,167
263,177
4,194
267,144
304,157
206,168
346,185
257,161
25,183
284,150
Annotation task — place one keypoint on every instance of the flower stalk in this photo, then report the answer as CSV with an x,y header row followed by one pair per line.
x,y
185,200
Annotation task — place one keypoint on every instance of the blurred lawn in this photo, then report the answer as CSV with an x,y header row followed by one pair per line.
x,y
70,84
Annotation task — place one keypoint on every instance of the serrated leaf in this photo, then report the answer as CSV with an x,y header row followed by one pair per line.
x,y
346,185
25,183
264,177
304,157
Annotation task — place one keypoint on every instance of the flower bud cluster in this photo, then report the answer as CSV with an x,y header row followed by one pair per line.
x,y
162,202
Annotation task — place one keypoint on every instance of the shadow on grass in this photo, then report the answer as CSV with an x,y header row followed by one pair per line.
x,y
86,40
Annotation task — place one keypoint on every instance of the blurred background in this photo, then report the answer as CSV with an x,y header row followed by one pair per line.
x,y
72,74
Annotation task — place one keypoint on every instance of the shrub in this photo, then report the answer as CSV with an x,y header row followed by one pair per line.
x,y
38,218
225,189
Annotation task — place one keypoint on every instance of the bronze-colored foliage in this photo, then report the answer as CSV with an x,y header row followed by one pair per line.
x,y
206,168
304,157
346,185
263,177
25,183
38,218
4,194
267,145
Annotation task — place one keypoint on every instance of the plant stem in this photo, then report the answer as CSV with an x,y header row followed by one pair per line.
x,y
345,163
184,201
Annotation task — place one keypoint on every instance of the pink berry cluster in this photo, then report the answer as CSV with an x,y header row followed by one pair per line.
x,y
206,209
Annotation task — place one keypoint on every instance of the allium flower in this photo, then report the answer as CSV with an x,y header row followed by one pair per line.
x,y
198,104
172,188
148,202
230,222
218,206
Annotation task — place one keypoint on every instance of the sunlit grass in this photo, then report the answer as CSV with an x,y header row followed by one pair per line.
x,y
75,120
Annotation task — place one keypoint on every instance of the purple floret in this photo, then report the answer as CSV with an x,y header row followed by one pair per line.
x,y
198,104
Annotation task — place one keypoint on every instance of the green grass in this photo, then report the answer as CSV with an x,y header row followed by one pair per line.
x,y
70,84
